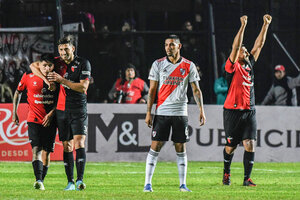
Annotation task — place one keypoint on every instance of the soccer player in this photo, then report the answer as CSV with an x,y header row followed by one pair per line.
x,y
41,127
169,77
73,74
239,112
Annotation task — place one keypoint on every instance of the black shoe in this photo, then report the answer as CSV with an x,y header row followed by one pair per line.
x,y
226,179
249,182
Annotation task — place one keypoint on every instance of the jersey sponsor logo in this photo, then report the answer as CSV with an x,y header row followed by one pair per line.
x,y
86,73
43,102
171,80
43,96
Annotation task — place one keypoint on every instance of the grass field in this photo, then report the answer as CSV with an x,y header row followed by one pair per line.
x,y
126,180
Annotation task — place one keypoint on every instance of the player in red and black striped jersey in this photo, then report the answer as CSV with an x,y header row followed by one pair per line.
x,y
41,127
239,112
73,74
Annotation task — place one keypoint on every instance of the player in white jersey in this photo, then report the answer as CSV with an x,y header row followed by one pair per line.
x,y
169,78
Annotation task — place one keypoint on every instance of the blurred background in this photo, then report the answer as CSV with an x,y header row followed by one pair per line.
x,y
112,33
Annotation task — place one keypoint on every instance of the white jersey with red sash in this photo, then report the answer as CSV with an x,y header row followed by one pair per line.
x,y
173,81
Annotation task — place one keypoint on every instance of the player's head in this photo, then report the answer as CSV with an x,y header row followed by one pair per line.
x,y
130,71
47,63
243,54
172,45
279,71
66,48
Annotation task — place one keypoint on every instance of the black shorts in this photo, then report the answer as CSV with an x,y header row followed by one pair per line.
x,y
239,125
42,136
70,124
162,126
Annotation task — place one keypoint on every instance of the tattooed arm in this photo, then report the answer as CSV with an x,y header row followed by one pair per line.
x,y
151,98
199,100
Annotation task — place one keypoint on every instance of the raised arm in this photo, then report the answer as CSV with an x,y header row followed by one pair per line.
x,y
151,98
261,38
238,40
199,100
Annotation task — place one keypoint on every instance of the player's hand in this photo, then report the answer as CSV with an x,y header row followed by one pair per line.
x,y
142,101
148,120
202,119
15,119
54,77
267,19
47,119
244,20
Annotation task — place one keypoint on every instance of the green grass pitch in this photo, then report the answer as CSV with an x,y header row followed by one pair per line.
x,y
126,180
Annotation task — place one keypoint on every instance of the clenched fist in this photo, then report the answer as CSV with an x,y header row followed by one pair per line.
x,y
244,19
267,19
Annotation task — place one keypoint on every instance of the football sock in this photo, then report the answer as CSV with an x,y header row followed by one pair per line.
x,y
150,165
248,164
80,162
69,165
38,169
227,161
182,166
45,170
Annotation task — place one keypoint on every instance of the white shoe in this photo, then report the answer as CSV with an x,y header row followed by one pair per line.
x,y
39,185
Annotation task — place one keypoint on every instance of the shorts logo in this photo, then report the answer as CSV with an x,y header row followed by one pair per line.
x,y
182,71
229,140
187,132
85,129
153,133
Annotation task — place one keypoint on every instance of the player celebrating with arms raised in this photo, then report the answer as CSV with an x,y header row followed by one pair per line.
x,y
239,111
169,77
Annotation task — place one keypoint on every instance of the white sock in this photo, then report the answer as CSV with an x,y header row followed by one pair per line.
x,y
182,167
150,165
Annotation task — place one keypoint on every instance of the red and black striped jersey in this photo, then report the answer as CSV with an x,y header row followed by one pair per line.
x,y
41,100
240,80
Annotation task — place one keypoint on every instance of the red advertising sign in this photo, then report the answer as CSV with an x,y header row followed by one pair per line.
x,y
14,142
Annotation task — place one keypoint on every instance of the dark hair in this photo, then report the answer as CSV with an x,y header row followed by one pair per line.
x,y
48,57
69,39
127,66
174,37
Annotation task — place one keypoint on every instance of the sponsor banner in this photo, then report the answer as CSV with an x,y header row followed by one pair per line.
x,y
119,133
14,141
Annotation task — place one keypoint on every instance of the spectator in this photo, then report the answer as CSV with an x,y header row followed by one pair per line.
x,y
221,88
283,89
129,88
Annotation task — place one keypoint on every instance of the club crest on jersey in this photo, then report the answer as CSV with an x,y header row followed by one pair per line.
x,y
153,133
34,83
182,71
73,68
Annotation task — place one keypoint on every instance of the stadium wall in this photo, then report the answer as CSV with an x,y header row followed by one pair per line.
x,y
117,132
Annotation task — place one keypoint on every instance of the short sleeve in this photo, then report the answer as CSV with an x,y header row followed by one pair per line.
x,y
229,66
85,73
154,73
22,84
194,75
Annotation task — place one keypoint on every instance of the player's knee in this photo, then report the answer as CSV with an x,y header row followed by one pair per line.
x,y
157,145
229,150
179,147
36,153
68,146
249,145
